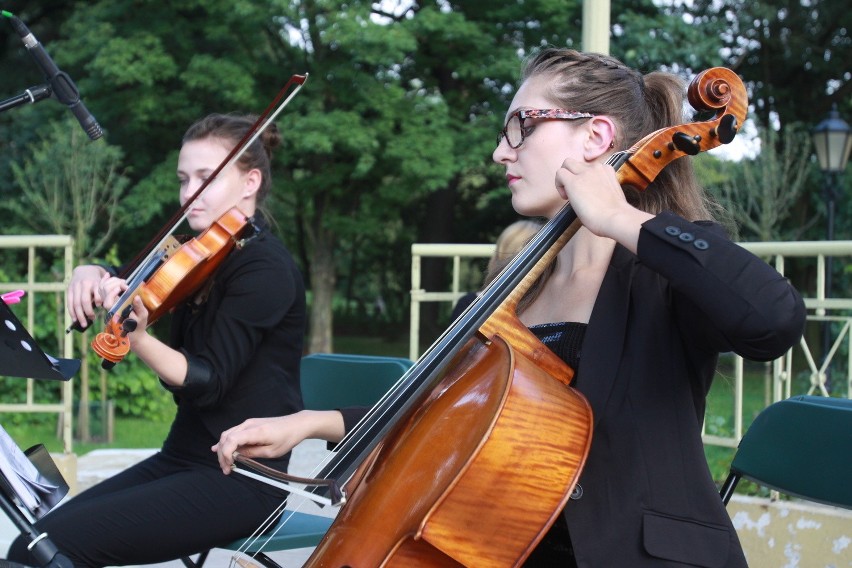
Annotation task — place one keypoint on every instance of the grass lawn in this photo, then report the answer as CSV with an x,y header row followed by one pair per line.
x,y
129,433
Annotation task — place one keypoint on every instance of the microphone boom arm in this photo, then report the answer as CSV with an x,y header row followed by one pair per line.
x,y
60,83
29,96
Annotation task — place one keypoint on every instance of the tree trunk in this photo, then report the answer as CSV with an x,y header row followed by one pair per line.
x,y
436,228
323,280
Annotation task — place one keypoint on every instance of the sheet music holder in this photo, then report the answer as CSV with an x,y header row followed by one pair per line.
x,y
30,481
31,478
20,356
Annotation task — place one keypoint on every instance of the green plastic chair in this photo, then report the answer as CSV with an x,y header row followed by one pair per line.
x,y
333,380
801,447
328,381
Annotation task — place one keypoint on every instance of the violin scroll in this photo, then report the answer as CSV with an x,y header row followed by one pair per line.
x,y
112,344
180,275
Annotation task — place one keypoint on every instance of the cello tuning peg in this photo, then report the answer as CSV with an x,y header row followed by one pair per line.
x,y
727,129
686,143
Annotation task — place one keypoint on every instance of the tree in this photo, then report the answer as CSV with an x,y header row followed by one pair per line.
x,y
794,55
764,190
72,186
390,140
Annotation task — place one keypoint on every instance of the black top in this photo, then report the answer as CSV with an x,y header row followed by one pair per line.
x,y
243,346
565,339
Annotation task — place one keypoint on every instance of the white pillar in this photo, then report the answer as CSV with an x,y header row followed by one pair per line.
x,y
596,26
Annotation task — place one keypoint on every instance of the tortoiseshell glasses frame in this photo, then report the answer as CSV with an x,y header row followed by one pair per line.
x,y
514,130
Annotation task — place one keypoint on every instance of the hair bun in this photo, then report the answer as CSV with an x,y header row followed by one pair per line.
x,y
271,138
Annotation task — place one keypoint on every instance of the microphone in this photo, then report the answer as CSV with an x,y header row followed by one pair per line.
x,y
61,84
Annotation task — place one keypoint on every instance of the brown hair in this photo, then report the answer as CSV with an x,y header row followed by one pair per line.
x,y
509,243
232,128
639,105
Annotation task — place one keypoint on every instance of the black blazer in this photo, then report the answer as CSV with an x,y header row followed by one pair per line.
x,y
648,359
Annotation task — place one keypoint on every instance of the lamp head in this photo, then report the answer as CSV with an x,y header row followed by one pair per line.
x,y
833,141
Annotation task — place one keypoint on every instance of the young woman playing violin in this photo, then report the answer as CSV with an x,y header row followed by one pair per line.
x,y
640,302
233,353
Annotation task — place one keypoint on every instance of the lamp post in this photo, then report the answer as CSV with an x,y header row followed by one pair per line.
x,y
833,141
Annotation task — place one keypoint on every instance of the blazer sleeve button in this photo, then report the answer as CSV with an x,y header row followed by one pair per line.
x,y
701,244
577,492
672,230
686,237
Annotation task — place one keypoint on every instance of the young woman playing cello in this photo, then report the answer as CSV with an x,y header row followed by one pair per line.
x,y
640,303
233,353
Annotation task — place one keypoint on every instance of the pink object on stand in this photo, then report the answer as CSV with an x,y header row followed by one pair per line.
x,y
13,297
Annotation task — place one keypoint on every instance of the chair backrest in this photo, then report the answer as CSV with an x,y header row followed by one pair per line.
x,y
801,446
335,380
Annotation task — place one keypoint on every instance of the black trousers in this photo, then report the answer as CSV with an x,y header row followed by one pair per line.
x,y
158,510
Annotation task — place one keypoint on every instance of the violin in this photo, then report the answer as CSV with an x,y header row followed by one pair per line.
x,y
167,272
487,414
185,267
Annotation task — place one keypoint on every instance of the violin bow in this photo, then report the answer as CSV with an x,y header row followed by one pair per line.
x,y
264,120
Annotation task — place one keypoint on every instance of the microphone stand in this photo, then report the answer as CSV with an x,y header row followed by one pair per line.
x,y
29,96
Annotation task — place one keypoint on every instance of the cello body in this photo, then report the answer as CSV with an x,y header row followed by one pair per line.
x,y
496,408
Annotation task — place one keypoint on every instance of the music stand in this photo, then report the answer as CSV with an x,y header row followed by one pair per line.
x,y
20,356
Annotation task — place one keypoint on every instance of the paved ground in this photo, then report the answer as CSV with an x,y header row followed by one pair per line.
x,y
100,464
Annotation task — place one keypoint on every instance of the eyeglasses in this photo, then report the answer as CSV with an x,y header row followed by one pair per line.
x,y
514,130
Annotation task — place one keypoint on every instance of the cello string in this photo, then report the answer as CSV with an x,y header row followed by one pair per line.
x,y
381,408
384,406
272,520
477,317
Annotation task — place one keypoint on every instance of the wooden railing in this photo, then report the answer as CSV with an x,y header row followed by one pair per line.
x,y
38,286
833,312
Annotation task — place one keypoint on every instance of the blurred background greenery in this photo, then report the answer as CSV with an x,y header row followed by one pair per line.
x,y
388,144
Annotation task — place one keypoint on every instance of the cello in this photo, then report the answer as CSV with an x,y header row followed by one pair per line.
x,y
487,415
166,271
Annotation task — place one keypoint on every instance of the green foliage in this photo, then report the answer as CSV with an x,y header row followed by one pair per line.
x,y
761,192
794,56
129,433
649,36
137,392
390,140
69,186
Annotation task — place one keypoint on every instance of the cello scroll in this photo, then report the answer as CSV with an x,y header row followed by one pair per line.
x,y
717,89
